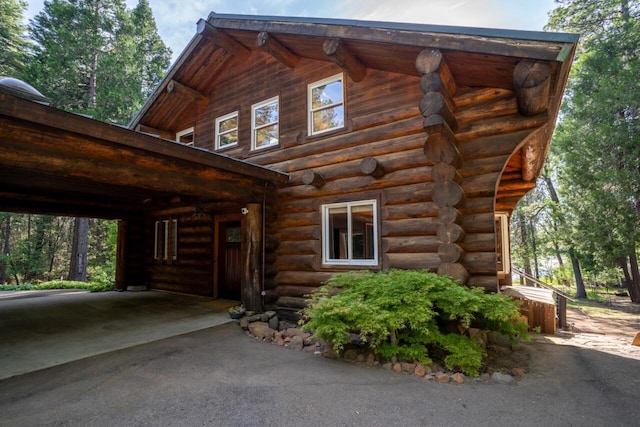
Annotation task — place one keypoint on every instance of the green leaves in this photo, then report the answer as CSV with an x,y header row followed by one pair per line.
x,y
399,314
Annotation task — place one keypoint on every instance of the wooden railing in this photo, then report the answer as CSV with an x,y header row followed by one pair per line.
x,y
561,297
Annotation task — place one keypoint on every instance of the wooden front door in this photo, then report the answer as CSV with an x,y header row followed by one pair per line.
x,y
229,260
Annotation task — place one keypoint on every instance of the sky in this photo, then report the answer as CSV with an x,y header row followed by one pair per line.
x,y
176,19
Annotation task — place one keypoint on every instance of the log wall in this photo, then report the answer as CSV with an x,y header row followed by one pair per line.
x,y
192,271
427,192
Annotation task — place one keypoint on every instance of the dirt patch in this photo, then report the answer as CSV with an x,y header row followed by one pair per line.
x,y
608,326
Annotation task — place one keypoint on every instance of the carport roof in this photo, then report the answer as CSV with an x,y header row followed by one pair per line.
x,y
56,162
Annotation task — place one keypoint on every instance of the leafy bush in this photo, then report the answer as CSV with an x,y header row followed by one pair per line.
x,y
60,284
403,314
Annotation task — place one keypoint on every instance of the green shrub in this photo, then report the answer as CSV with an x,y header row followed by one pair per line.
x,y
60,284
405,314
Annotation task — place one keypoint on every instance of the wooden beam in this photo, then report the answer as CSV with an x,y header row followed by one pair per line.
x,y
222,39
431,61
433,103
274,48
252,266
187,93
370,166
336,51
155,132
532,83
121,256
312,178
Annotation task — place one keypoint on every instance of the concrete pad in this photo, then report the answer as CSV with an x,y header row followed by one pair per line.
x,y
42,329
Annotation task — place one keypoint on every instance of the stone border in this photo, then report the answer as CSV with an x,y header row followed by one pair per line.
x,y
267,327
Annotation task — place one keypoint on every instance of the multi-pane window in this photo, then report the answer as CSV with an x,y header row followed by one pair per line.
x,y
166,240
227,130
185,136
264,123
326,105
350,233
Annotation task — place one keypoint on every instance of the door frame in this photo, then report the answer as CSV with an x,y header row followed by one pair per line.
x,y
234,217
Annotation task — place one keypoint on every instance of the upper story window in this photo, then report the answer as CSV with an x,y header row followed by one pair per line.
x,y
185,136
227,130
326,105
350,233
264,123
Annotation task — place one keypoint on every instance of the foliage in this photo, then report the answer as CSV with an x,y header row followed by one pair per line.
x,y
597,138
96,57
405,313
60,284
14,44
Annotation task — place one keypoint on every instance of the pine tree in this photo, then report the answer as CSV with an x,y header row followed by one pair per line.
x,y
598,136
14,44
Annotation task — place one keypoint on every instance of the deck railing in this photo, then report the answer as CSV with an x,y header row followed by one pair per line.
x,y
561,297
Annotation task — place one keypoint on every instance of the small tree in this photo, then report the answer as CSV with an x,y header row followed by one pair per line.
x,y
403,314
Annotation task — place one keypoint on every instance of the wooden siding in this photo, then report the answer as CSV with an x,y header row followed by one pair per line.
x,y
192,271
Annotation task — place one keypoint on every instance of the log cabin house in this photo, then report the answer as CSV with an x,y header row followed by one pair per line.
x,y
305,147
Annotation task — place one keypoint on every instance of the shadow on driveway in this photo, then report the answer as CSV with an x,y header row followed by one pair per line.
x,y
40,329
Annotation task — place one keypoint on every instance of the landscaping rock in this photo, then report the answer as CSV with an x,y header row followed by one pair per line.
x,y
297,343
397,367
274,322
254,318
261,331
636,340
350,355
496,338
408,367
517,372
244,323
420,371
501,378
329,352
441,377
388,366
371,359
458,377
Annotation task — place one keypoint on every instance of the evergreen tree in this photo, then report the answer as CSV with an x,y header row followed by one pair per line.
x,y
13,42
96,57
598,136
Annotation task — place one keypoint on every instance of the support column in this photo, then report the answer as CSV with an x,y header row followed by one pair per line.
x,y
441,148
121,256
252,268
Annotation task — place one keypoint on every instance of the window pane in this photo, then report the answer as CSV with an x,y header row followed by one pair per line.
x,y
328,94
186,138
266,114
227,125
338,233
229,138
362,231
267,136
328,118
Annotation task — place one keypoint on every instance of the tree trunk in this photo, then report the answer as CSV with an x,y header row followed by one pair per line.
x,y
6,249
527,261
581,292
634,285
534,248
78,265
625,270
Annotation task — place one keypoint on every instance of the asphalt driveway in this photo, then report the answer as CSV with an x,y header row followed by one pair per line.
x,y
221,377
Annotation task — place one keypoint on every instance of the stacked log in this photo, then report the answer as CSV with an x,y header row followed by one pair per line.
x,y
441,149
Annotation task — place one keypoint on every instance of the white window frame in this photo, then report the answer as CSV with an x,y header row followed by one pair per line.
x,y
218,134
255,129
502,227
326,238
311,110
186,132
162,230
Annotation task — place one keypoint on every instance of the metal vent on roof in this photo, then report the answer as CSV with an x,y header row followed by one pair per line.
x,y
21,89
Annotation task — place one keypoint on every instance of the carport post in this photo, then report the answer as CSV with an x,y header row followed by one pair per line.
x,y
121,256
252,269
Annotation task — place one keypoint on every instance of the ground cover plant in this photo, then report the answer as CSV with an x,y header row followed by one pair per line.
x,y
410,315
94,286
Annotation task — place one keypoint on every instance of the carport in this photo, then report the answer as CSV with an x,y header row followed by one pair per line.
x,y
59,163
